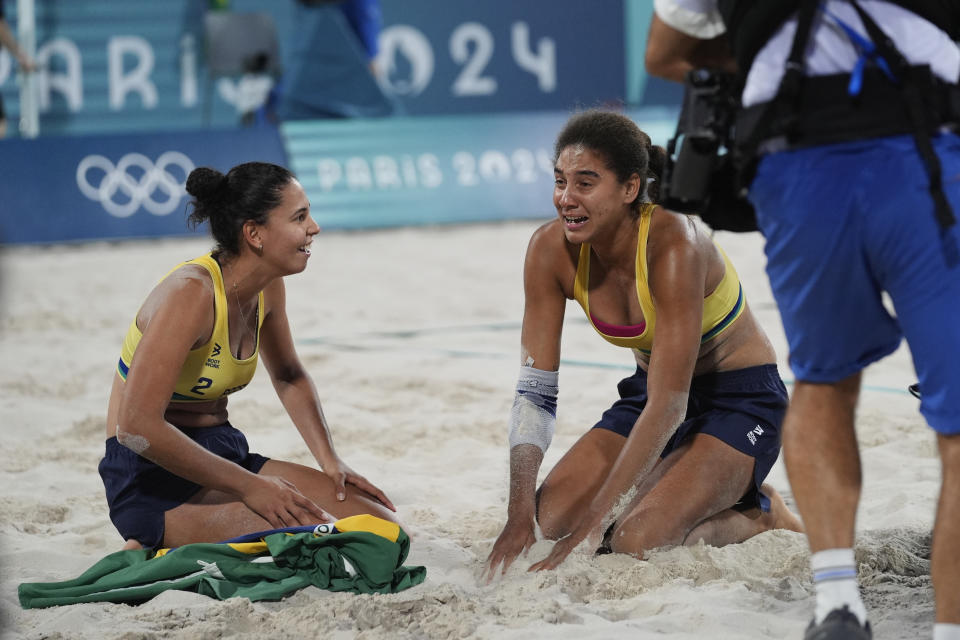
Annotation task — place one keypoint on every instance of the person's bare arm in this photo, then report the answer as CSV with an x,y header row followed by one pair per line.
x,y
671,54
10,42
298,394
544,306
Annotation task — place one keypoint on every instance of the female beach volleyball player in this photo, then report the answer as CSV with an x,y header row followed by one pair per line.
x,y
697,427
175,470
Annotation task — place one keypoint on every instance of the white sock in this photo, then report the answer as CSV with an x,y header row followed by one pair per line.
x,y
835,579
944,631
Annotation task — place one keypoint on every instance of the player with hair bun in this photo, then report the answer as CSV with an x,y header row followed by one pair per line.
x,y
175,470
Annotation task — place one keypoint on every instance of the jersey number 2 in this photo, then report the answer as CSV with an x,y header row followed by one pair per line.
x,y
202,383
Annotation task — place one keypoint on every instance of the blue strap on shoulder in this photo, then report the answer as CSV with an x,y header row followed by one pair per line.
x,y
867,50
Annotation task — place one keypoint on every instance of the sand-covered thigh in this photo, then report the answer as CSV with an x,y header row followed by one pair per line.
x,y
412,338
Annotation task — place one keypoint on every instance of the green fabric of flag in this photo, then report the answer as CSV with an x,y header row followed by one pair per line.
x,y
277,565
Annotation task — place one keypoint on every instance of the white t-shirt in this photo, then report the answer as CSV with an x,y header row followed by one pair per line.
x,y
829,49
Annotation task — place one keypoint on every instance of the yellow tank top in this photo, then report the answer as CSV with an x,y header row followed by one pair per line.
x,y
720,308
210,371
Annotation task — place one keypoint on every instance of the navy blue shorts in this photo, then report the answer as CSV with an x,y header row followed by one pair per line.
x,y
743,408
139,492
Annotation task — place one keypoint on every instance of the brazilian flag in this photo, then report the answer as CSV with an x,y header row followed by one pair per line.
x,y
361,554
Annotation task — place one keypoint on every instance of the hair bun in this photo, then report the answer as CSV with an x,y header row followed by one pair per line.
x,y
204,182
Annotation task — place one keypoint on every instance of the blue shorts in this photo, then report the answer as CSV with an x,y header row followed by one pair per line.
x,y
743,408
139,492
845,223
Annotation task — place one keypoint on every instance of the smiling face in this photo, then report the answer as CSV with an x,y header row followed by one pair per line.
x,y
289,230
590,201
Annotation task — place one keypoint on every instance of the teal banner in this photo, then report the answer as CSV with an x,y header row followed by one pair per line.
x,y
425,170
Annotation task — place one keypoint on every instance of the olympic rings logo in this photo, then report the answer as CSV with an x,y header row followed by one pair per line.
x,y
156,190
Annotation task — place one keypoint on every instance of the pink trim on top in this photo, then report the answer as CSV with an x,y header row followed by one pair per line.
x,y
617,331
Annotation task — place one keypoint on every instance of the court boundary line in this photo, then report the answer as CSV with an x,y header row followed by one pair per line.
x,y
349,343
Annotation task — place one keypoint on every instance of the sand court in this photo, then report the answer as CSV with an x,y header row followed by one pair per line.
x,y
412,338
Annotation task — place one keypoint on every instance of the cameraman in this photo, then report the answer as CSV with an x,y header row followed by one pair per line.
x,y
856,187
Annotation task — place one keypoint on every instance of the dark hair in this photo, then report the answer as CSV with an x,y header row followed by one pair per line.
x,y
248,192
625,147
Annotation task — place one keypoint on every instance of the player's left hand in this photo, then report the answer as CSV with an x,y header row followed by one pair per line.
x,y
342,474
592,533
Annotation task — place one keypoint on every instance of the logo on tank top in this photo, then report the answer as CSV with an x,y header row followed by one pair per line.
x,y
212,362
753,433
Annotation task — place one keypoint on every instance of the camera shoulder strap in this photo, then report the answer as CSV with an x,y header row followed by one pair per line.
x,y
916,109
778,114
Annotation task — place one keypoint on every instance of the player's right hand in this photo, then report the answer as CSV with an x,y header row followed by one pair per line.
x,y
517,537
280,503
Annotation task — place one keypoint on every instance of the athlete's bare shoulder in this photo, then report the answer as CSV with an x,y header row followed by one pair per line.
x,y
549,240
188,280
673,233
551,257
189,286
665,223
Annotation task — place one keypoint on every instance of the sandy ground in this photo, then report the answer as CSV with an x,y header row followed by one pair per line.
x,y
412,337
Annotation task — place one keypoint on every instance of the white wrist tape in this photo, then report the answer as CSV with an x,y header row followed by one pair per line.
x,y
534,413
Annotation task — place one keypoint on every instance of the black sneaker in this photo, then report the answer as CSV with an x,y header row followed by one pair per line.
x,y
839,624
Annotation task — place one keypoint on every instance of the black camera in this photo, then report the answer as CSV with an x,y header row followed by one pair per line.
x,y
700,175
